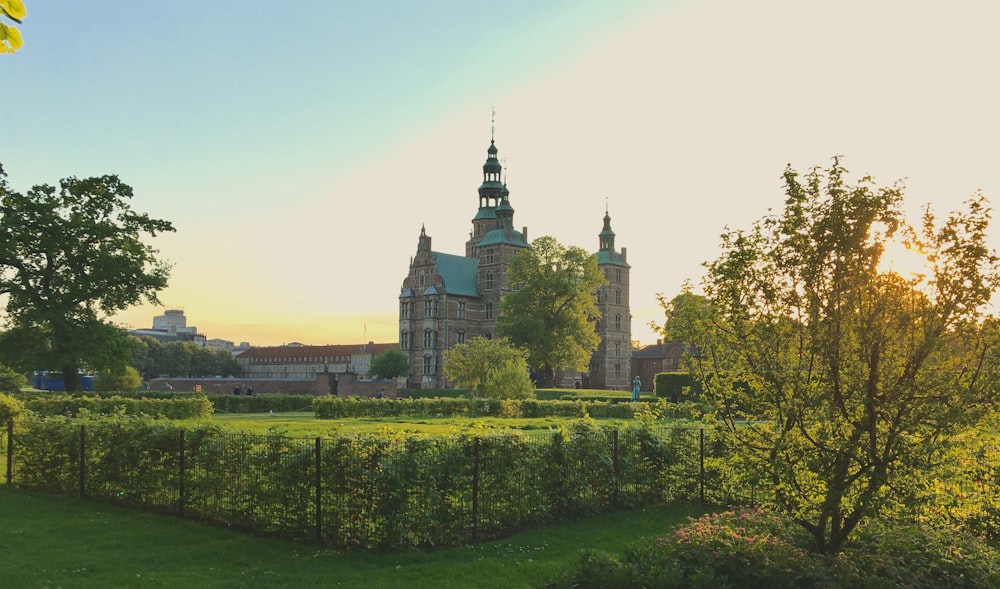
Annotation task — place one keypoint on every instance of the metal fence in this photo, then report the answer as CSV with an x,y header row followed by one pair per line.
x,y
378,492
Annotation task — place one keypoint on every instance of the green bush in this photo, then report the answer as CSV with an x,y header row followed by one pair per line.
x,y
71,406
10,409
676,386
757,549
11,381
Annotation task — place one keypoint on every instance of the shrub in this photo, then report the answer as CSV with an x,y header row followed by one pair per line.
x,y
754,548
10,408
10,380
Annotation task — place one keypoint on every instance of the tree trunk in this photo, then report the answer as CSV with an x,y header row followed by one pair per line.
x,y
71,378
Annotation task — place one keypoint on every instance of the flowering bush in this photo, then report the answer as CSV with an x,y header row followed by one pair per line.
x,y
754,548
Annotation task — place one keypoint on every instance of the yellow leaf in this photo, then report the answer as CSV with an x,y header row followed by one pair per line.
x,y
13,8
10,39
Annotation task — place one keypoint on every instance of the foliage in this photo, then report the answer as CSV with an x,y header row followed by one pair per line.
x,y
758,549
553,307
385,491
68,256
676,386
125,379
68,405
391,363
331,407
10,408
10,37
856,377
489,368
11,380
180,359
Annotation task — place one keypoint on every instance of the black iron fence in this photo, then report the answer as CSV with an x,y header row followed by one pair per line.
x,y
375,492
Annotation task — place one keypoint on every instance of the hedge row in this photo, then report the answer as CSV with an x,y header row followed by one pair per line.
x,y
259,403
385,491
72,406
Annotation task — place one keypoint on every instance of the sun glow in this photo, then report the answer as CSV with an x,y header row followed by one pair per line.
x,y
906,260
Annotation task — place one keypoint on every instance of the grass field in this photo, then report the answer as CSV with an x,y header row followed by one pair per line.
x,y
50,541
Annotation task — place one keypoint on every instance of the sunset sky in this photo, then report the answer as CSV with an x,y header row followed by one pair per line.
x,y
298,147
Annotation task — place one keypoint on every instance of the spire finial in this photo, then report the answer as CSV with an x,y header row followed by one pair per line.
x,y
605,205
493,121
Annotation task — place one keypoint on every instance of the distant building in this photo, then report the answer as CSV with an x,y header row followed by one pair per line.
x,y
448,299
173,321
299,361
649,361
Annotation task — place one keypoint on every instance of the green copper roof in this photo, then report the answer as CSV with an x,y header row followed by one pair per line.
x,y
609,258
508,236
458,272
485,213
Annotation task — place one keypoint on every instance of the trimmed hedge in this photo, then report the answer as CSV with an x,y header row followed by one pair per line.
x,y
385,491
71,406
330,407
676,386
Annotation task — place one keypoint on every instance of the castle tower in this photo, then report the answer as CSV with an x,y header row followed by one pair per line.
x,y
610,364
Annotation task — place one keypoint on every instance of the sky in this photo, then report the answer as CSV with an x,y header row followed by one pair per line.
x,y
299,147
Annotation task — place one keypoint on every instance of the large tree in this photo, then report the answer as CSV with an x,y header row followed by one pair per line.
x,y
489,368
843,379
390,364
552,310
70,256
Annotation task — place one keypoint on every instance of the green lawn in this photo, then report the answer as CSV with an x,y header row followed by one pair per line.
x,y
51,541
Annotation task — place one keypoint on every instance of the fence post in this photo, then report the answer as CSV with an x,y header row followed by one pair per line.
x,y
475,489
183,471
83,460
701,473
10,452
614,457
319,492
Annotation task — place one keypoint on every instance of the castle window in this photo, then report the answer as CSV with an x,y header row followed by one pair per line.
x,y
428,364
428,338
460,337
618,349
404,340
618,274
489,255
461,309
489,311
489,280
430,308
618,322
618,371
618,296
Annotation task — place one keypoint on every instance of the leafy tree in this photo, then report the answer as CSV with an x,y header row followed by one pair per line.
x,y
68,257
125,379
552,311
10,408
491,368
390,364
11,380
10,37
858,376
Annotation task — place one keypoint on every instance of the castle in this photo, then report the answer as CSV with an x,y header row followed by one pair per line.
x,y
447,299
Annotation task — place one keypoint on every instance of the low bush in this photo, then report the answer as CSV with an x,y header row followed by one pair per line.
x,y
330,407
10,408
71,406
758,549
